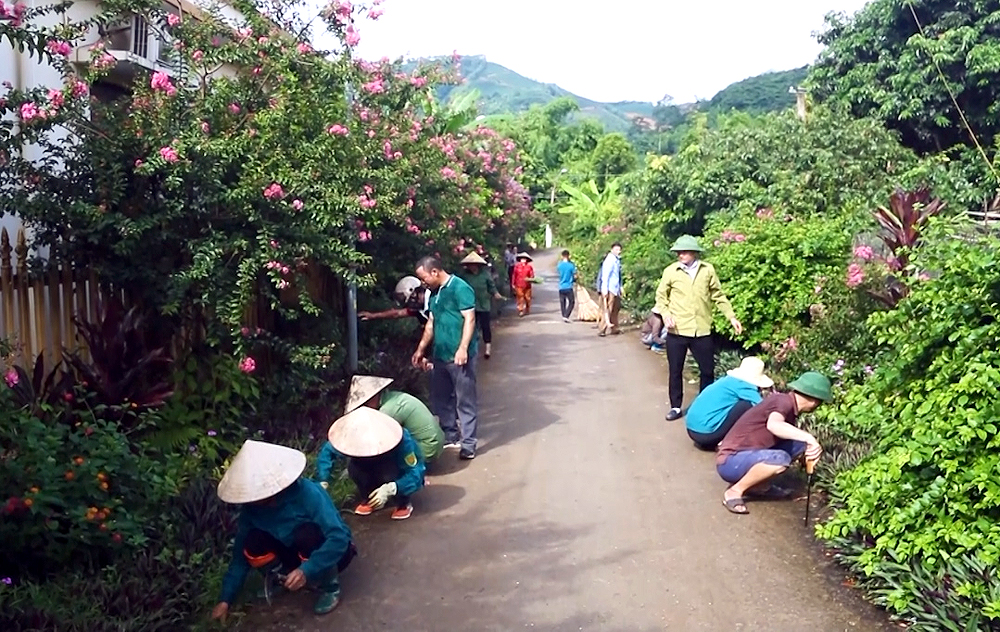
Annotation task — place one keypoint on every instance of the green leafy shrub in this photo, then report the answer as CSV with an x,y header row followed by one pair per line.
x,y
771,266
928,494
76,488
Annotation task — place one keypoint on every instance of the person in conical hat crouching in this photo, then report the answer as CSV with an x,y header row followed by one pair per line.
x,y
286,523
411,413
383,460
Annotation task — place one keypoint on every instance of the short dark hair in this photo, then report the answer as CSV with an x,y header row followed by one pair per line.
x,y
617,243
430,263
565,253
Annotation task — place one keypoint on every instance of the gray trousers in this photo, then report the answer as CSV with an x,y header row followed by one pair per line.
x,y
453,398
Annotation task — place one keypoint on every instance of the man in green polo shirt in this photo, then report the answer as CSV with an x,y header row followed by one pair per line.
x,y
684,298
451,328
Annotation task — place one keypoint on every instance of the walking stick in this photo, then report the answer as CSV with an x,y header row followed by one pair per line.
x,y
810,467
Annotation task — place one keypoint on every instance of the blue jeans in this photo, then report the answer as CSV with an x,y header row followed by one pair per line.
x,y
453,397
736,466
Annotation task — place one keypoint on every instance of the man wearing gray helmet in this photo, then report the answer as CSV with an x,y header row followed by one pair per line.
x,y
414,298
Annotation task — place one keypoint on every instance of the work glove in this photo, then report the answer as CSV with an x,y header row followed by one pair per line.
x,y
378,498
325,485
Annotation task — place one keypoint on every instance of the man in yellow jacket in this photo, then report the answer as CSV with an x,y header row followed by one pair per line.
x,y
684,298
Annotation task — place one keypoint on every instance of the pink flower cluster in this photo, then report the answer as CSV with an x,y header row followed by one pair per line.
x,y
80,89
865,253
274,191
855,275
364,235
11,378
297,204
366,200
15,14
197,55
173,19
161,82
375,86
338,130
58,47
765,213
303,48
248,365
30,112
389,153
728,237
169,154
103,61
352,38
277,266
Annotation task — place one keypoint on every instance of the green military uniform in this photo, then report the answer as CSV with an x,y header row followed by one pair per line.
x,y
415,417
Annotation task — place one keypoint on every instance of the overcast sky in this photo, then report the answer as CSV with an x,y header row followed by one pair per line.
x,y
612,50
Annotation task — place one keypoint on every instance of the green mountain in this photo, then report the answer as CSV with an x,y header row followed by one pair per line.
x,y
503,91
764,93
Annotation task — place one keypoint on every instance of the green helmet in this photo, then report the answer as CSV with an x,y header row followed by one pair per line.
x,y
686,243
813,384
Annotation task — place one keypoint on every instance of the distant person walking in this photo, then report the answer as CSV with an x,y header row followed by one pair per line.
x,y
567,277
610,289
684,298
510,260
479,278
451,328
524,275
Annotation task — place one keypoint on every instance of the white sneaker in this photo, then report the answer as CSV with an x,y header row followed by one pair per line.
x,y
452,445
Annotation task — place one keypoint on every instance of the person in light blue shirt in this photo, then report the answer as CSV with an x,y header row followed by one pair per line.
x,y
610,288
567,277
718,407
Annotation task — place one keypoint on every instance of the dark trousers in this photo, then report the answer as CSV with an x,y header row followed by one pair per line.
x,y
262,549
510,278
703,350
453,400
567,301
371,473
483,320
711,440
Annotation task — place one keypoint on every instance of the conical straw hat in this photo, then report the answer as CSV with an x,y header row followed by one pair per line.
x,y
524,255
260,470
473,258
365,432
363,388
752,370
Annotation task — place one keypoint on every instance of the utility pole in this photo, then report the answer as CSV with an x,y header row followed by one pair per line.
x,y
800,101
352,324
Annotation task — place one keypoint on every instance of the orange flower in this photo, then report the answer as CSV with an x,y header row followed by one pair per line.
x,y
78,460
102,476
104,486
70,475
34,490
28,502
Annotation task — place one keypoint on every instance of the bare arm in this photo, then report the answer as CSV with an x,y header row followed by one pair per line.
x,y
425,340
780,428
468,329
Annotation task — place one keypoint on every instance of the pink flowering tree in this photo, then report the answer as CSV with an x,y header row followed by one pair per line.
x,y
256,168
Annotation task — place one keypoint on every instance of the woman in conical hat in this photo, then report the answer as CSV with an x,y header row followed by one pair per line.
x,y
383,460
411,413
272,536
478,276
718,407
524,274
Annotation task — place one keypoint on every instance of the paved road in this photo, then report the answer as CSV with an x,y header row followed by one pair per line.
x,y
583,511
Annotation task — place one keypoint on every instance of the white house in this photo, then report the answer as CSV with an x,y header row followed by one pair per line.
x,y
137,45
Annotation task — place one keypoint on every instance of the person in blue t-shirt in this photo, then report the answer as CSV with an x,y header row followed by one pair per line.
x,y
721,404
567,277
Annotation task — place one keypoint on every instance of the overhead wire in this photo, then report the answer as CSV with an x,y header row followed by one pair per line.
x,y
954,99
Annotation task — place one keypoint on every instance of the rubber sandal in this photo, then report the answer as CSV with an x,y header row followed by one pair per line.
x,y
732,504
